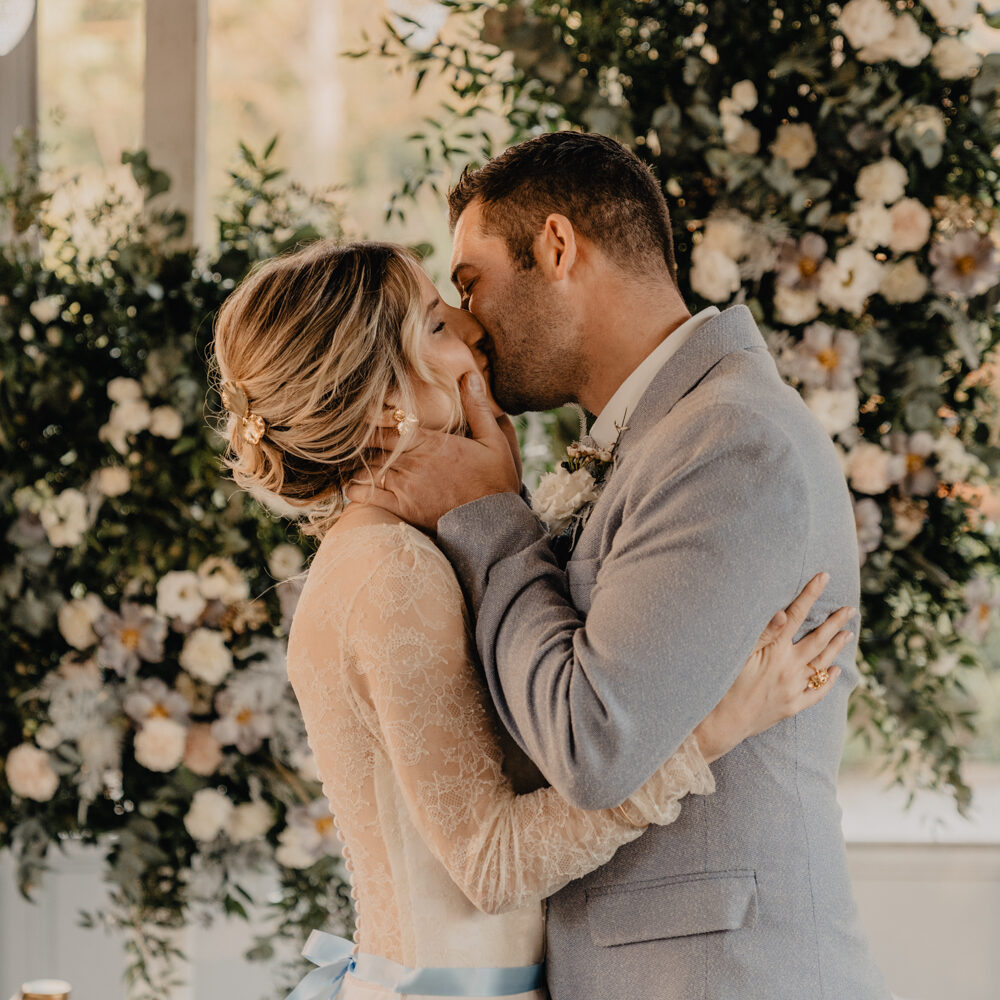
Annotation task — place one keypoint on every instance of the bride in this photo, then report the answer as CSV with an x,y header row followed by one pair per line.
x,y
450,866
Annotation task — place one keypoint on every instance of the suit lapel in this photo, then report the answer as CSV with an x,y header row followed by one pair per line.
x,y
732,330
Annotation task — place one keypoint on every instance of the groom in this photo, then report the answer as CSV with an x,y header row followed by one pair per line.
x,y
726,497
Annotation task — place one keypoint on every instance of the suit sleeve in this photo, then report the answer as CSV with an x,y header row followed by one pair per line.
x,y
711,544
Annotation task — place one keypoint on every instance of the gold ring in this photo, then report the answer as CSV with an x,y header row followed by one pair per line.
x,y
403,421
818,679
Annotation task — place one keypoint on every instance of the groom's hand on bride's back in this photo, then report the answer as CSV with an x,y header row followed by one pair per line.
x,y
439,472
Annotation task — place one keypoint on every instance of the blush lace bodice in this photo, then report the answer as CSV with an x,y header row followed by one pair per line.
x,y
449,866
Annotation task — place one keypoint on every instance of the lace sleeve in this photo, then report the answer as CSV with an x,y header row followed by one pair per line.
x,y
408,641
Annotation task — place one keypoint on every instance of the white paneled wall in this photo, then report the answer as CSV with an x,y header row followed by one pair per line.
x,y
932,913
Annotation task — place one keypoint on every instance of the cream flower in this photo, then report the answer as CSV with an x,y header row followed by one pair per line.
x,y
561,494
166,422
209,813
159,745
202,752
249,821
906,44
870,224
835,409
122,390
739,135
953,59
206,656
923,118
952,13
64,518
883,181
745,95
795,143
113,480
48,309
872,469
795,306
904,282
850,279
285,561
911,226
76,620
727,233
178,595
868,522
30,773
221,579
714,275
865,22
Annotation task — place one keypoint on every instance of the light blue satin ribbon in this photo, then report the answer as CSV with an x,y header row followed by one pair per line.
x,y
335,957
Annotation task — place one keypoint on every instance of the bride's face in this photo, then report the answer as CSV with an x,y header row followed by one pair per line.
x,y
448,345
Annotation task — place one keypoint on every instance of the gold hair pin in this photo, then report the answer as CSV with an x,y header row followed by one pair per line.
x,y
237,402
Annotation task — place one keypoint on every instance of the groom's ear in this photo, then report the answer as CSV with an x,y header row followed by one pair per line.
x,y
556,247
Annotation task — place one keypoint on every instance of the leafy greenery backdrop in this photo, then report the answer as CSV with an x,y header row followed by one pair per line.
x,y
145,601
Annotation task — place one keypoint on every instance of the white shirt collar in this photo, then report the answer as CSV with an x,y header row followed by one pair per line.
x,y
623,403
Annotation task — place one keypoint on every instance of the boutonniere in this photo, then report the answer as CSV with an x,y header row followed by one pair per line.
x,y
564,498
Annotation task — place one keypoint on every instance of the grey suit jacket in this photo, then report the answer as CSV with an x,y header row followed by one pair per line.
x,y
726,499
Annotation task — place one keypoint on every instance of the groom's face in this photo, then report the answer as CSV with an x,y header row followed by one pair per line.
x,y
531,335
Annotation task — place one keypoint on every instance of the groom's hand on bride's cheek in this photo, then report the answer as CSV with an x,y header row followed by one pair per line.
x,y
439,472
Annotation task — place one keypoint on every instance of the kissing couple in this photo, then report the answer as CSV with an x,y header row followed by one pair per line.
x,y
590,759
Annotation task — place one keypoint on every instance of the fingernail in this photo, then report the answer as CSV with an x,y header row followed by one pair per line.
x,y
824,578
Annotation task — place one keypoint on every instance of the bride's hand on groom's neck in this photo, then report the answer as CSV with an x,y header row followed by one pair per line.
x,y
439,472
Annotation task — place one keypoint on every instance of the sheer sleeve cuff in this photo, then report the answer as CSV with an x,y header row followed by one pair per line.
x,y
658,800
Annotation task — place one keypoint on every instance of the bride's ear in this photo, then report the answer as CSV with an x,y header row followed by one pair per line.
x,y
556,247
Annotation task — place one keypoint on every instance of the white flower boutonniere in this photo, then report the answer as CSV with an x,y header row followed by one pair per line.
x,y
564,498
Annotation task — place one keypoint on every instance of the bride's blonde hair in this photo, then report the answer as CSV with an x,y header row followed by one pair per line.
x,y
320,341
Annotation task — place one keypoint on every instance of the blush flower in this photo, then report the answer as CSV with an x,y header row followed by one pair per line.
x,y
965,265
135,633
30,773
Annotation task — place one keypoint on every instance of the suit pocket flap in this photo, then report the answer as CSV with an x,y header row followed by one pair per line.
x,y
672,907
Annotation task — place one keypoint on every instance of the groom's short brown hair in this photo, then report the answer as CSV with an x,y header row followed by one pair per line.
x,y
600,185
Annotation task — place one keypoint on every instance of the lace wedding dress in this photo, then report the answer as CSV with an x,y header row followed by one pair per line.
x,y
449,866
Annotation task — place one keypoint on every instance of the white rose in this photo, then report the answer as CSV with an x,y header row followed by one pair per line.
x,y
739,135
953,59
865,22
911,225
561,494
206,656
870,224
285,561
952,13
954,463
982,38
292,851
727,233
836,410
113,480
178,595
249,821
29,773
904,282
745,95
47,310
166,422
130,416
221,579
795,306
714,275
848,281
795,142
64,518
209,813
883,181
906,44
159,745
123,390
872,469
76,620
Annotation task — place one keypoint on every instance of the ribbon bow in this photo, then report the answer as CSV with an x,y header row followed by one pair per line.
x,y
335,958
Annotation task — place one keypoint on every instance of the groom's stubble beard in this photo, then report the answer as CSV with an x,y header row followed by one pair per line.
x,y
534,347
